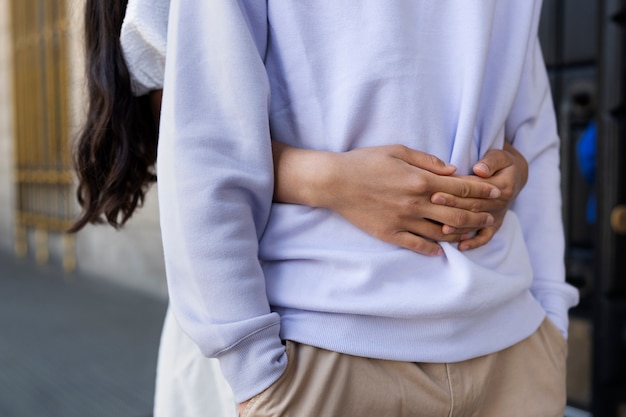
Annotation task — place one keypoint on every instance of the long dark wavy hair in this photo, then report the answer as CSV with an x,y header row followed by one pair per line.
x,y
115,152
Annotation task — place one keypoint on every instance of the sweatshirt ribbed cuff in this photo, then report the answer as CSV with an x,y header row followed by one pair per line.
x,y
254,363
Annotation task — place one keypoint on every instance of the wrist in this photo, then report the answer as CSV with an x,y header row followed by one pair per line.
x,y
304,176
321,171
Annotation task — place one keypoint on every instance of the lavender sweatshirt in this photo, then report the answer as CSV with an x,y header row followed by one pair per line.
x,y
454,78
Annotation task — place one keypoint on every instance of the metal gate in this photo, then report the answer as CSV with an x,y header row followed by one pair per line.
x,y
609,378
43,176
585,46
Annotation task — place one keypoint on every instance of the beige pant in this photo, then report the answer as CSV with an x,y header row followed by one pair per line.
x,y
527,379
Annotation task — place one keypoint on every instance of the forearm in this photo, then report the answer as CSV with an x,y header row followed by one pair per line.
x,y
215,187
303,176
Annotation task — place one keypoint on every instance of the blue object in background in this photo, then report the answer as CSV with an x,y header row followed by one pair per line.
x,y
586,156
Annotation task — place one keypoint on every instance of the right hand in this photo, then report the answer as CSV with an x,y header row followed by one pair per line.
x,y
505,168
386,191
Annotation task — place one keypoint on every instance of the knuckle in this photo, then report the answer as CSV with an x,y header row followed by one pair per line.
x,y
465,191
468,244
421,186
471,244
460,218
420,248
400,149
452,202
498,160
485,190
475,206
417,245
409,206
430,249
479,241
506,193
433,160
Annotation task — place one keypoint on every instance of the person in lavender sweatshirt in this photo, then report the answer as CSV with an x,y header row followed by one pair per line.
x,y
435,197
307,314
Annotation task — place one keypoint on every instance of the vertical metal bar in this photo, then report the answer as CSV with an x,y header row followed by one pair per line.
x,y
41,248
27,141
609,378
63,114
48,179
50,84
41,134
30,87
42,160
69,252
566,169
63,71
41,245
56,187
20,245
20,48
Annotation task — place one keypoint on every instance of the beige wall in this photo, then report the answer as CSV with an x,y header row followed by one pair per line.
x,y
132,257
6,131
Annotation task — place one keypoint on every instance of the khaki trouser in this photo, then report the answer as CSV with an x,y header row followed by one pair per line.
x,y
527,379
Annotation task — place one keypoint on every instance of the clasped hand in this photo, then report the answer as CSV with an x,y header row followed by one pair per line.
x,y
414,200
402,196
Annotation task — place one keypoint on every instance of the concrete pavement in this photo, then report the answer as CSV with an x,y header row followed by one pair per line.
x,y
72,345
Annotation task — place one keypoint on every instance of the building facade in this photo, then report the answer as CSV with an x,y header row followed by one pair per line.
x,y
42,102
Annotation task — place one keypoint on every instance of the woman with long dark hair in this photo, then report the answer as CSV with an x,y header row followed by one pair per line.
x,y
374,188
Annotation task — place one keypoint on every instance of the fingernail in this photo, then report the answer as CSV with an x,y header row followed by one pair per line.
x,y
495,193
463,247
448,229
481,166
466,236
448,165
439,200
490,220
439,252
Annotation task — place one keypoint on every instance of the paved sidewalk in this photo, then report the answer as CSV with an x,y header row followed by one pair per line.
x,y
72,346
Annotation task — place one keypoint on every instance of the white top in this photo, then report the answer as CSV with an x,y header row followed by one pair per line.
x,y
453,78
143,39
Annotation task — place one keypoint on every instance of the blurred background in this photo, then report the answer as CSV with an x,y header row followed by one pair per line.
x,y
80,316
